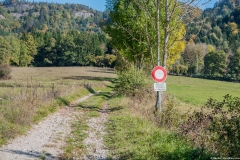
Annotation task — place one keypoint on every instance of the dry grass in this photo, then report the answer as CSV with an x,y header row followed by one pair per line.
x,y
33,93
47,76
59,74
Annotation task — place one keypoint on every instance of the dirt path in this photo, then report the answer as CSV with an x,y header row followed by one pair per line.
x,y
94,142
44,140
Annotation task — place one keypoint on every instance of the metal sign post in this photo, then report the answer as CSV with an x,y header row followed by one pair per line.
x,y
159,75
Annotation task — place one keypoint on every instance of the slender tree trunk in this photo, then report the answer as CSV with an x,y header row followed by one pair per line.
x,y
158,33
166,35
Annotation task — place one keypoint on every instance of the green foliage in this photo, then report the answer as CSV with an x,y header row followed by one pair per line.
x,y
126,30
234,66
131,82
5,52
71,48
215,63
5,71
133,32
216,126
179,69
107,60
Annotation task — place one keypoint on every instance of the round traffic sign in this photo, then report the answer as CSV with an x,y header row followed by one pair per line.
x,y
159,74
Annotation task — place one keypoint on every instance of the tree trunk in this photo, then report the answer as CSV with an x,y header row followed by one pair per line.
x,y
166,35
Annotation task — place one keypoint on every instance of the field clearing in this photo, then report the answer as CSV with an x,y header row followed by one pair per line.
x,y
58,76
197,91
33,93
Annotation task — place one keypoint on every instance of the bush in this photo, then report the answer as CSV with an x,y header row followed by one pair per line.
x,y
216,126
131,82
107,60
5,71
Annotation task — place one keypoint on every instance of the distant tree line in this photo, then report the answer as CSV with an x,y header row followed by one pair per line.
x,y
51,34
204,61
72,48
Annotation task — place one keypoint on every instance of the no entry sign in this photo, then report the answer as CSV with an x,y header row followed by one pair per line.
x,y
159,74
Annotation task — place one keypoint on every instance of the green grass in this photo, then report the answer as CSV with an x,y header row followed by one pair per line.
x,y
197,91
134,137
75,146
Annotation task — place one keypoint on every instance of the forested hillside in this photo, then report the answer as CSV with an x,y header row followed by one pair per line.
x,y
49,34
217,32
21,16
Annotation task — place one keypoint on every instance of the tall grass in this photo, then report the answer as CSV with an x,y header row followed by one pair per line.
x,y
29,95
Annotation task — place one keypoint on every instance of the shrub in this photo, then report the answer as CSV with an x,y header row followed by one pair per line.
x,y
107,60
216,126
5,71
131,82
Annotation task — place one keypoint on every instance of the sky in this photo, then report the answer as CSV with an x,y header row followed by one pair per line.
x,y
100,4
95,4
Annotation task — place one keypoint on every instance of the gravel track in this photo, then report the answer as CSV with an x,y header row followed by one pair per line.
x,y
45,139
94,142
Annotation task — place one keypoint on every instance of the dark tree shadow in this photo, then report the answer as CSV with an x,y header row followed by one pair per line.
x,y
191,154
110,109
90,78
89,88
63,101
106,71
90,107
31,154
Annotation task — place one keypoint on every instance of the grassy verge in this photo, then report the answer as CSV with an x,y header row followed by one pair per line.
x,y
134,136
88,109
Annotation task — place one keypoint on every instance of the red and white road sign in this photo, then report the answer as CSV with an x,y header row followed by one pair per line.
x,y
159,74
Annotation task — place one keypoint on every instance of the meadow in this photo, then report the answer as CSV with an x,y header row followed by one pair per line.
x,y
33,93
197,91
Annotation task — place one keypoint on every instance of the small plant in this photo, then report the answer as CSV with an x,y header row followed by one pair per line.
x,y
5,71
131,82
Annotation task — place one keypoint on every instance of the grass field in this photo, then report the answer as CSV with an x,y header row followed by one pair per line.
x,y
197,91
59,74
33,93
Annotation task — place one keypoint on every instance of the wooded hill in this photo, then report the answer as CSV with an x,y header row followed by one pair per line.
x,y
21,16
219,34
49,34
